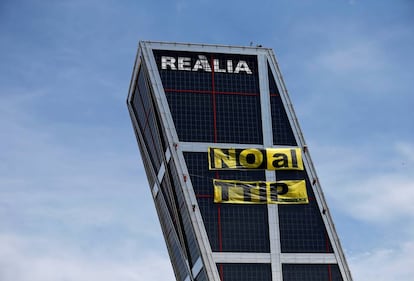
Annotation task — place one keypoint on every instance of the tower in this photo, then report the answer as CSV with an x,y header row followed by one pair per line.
x,y
221,147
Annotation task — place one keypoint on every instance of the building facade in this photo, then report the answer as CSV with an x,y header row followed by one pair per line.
x,y
185,99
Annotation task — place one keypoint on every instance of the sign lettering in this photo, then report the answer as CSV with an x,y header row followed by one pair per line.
x,y
253,158
203,64
260,192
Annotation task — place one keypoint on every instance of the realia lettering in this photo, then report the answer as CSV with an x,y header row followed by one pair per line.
x,y
203,64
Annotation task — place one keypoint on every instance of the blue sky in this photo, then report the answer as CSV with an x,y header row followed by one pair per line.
x,y
74,201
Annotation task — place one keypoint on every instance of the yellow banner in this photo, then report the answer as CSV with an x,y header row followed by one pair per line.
x,y
253,158
260,192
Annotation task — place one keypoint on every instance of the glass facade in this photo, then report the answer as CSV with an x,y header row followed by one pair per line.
x,y
311,272
185,98
230,228
147,119
213,106
170,202
301,226
281,129
245,272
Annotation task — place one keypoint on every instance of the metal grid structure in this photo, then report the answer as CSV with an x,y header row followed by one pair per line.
x,y
185,98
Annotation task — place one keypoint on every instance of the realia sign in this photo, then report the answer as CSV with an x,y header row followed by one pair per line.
x,y
203,64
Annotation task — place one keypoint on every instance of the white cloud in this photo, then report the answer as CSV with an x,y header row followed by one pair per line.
x,y
384,264
74,184
357,57
367,185
379,198
20,262
406,150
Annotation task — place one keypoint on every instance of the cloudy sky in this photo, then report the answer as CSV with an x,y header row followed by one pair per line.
x,y
74,201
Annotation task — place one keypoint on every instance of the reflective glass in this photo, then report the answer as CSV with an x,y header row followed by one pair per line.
x,y
311,272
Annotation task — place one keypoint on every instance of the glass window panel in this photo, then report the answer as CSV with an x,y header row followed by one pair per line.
x,y
238,119
302,229
311,272
193,115
202,276
245,271
230,227
174,248
147,121
282,131
213,105
191,242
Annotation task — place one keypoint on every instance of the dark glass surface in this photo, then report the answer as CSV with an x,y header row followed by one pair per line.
x,y
193,116
174,247
223,107
151,174
245,271
213,106
170,203
144,110
230,227
191,242
301,226
182,80
282,131
151,140
244,228
238,119
202,276
311,272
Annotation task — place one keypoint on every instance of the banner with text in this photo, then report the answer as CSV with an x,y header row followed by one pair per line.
x,y
260,192
253,158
